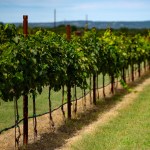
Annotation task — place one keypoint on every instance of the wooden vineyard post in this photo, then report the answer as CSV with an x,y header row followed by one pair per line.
x,y
112,83
25,97
68,32
132,72
139,69
90,89
25,25
104,85
69,100
94,89
144,65
124,74
97,87
25,120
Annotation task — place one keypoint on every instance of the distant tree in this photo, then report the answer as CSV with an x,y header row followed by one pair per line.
x,y
124,30
1,23
61,26
74,28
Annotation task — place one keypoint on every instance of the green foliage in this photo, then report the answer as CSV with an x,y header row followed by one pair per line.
x,y
125,86
46,58
7,32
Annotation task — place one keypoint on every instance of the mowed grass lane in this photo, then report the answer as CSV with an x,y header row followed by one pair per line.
x,y
129,131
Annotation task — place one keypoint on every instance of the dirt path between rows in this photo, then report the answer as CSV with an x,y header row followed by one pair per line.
x,y
88,117
107,116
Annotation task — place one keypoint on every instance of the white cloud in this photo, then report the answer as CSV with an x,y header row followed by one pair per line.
x,y
111,5
75,9
29,3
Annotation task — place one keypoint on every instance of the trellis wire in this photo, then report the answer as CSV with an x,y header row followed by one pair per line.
x,y
31,117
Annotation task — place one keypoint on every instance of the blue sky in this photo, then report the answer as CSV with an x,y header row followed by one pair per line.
x,y
97,10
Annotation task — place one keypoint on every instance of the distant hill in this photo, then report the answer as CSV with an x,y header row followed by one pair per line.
x,y
97,24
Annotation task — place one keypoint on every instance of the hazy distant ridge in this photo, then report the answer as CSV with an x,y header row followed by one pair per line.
x,y
97,24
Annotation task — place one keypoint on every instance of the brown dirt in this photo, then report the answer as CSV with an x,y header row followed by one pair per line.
x,y
107,116
69,131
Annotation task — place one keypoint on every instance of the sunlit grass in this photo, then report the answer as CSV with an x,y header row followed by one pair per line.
x,y
130,130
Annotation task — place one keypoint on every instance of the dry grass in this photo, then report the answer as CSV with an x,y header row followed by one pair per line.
x,y
65,129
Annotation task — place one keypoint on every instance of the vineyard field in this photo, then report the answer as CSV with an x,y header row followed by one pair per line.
x,y
61,68
7,117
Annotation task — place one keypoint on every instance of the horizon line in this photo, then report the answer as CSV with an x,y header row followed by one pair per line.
x,y
78,20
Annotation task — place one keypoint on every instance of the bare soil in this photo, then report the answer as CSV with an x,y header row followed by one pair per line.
x,y
104,118
88,117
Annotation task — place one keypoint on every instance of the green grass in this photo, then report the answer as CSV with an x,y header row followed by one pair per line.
x,y
7,108
129,131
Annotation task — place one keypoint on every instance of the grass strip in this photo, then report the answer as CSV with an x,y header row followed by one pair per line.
x,y
129,131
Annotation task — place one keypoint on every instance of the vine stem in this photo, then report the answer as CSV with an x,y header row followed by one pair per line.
x,y
94,89
69,100
16,113
90,89
112,83
25,119
62,107
104,86
50,110
97,87
75,95
34,116
132,72
15,120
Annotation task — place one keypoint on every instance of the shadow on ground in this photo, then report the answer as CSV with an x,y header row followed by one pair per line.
x,y
51,141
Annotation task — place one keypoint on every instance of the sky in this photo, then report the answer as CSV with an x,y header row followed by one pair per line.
x,y
12,11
